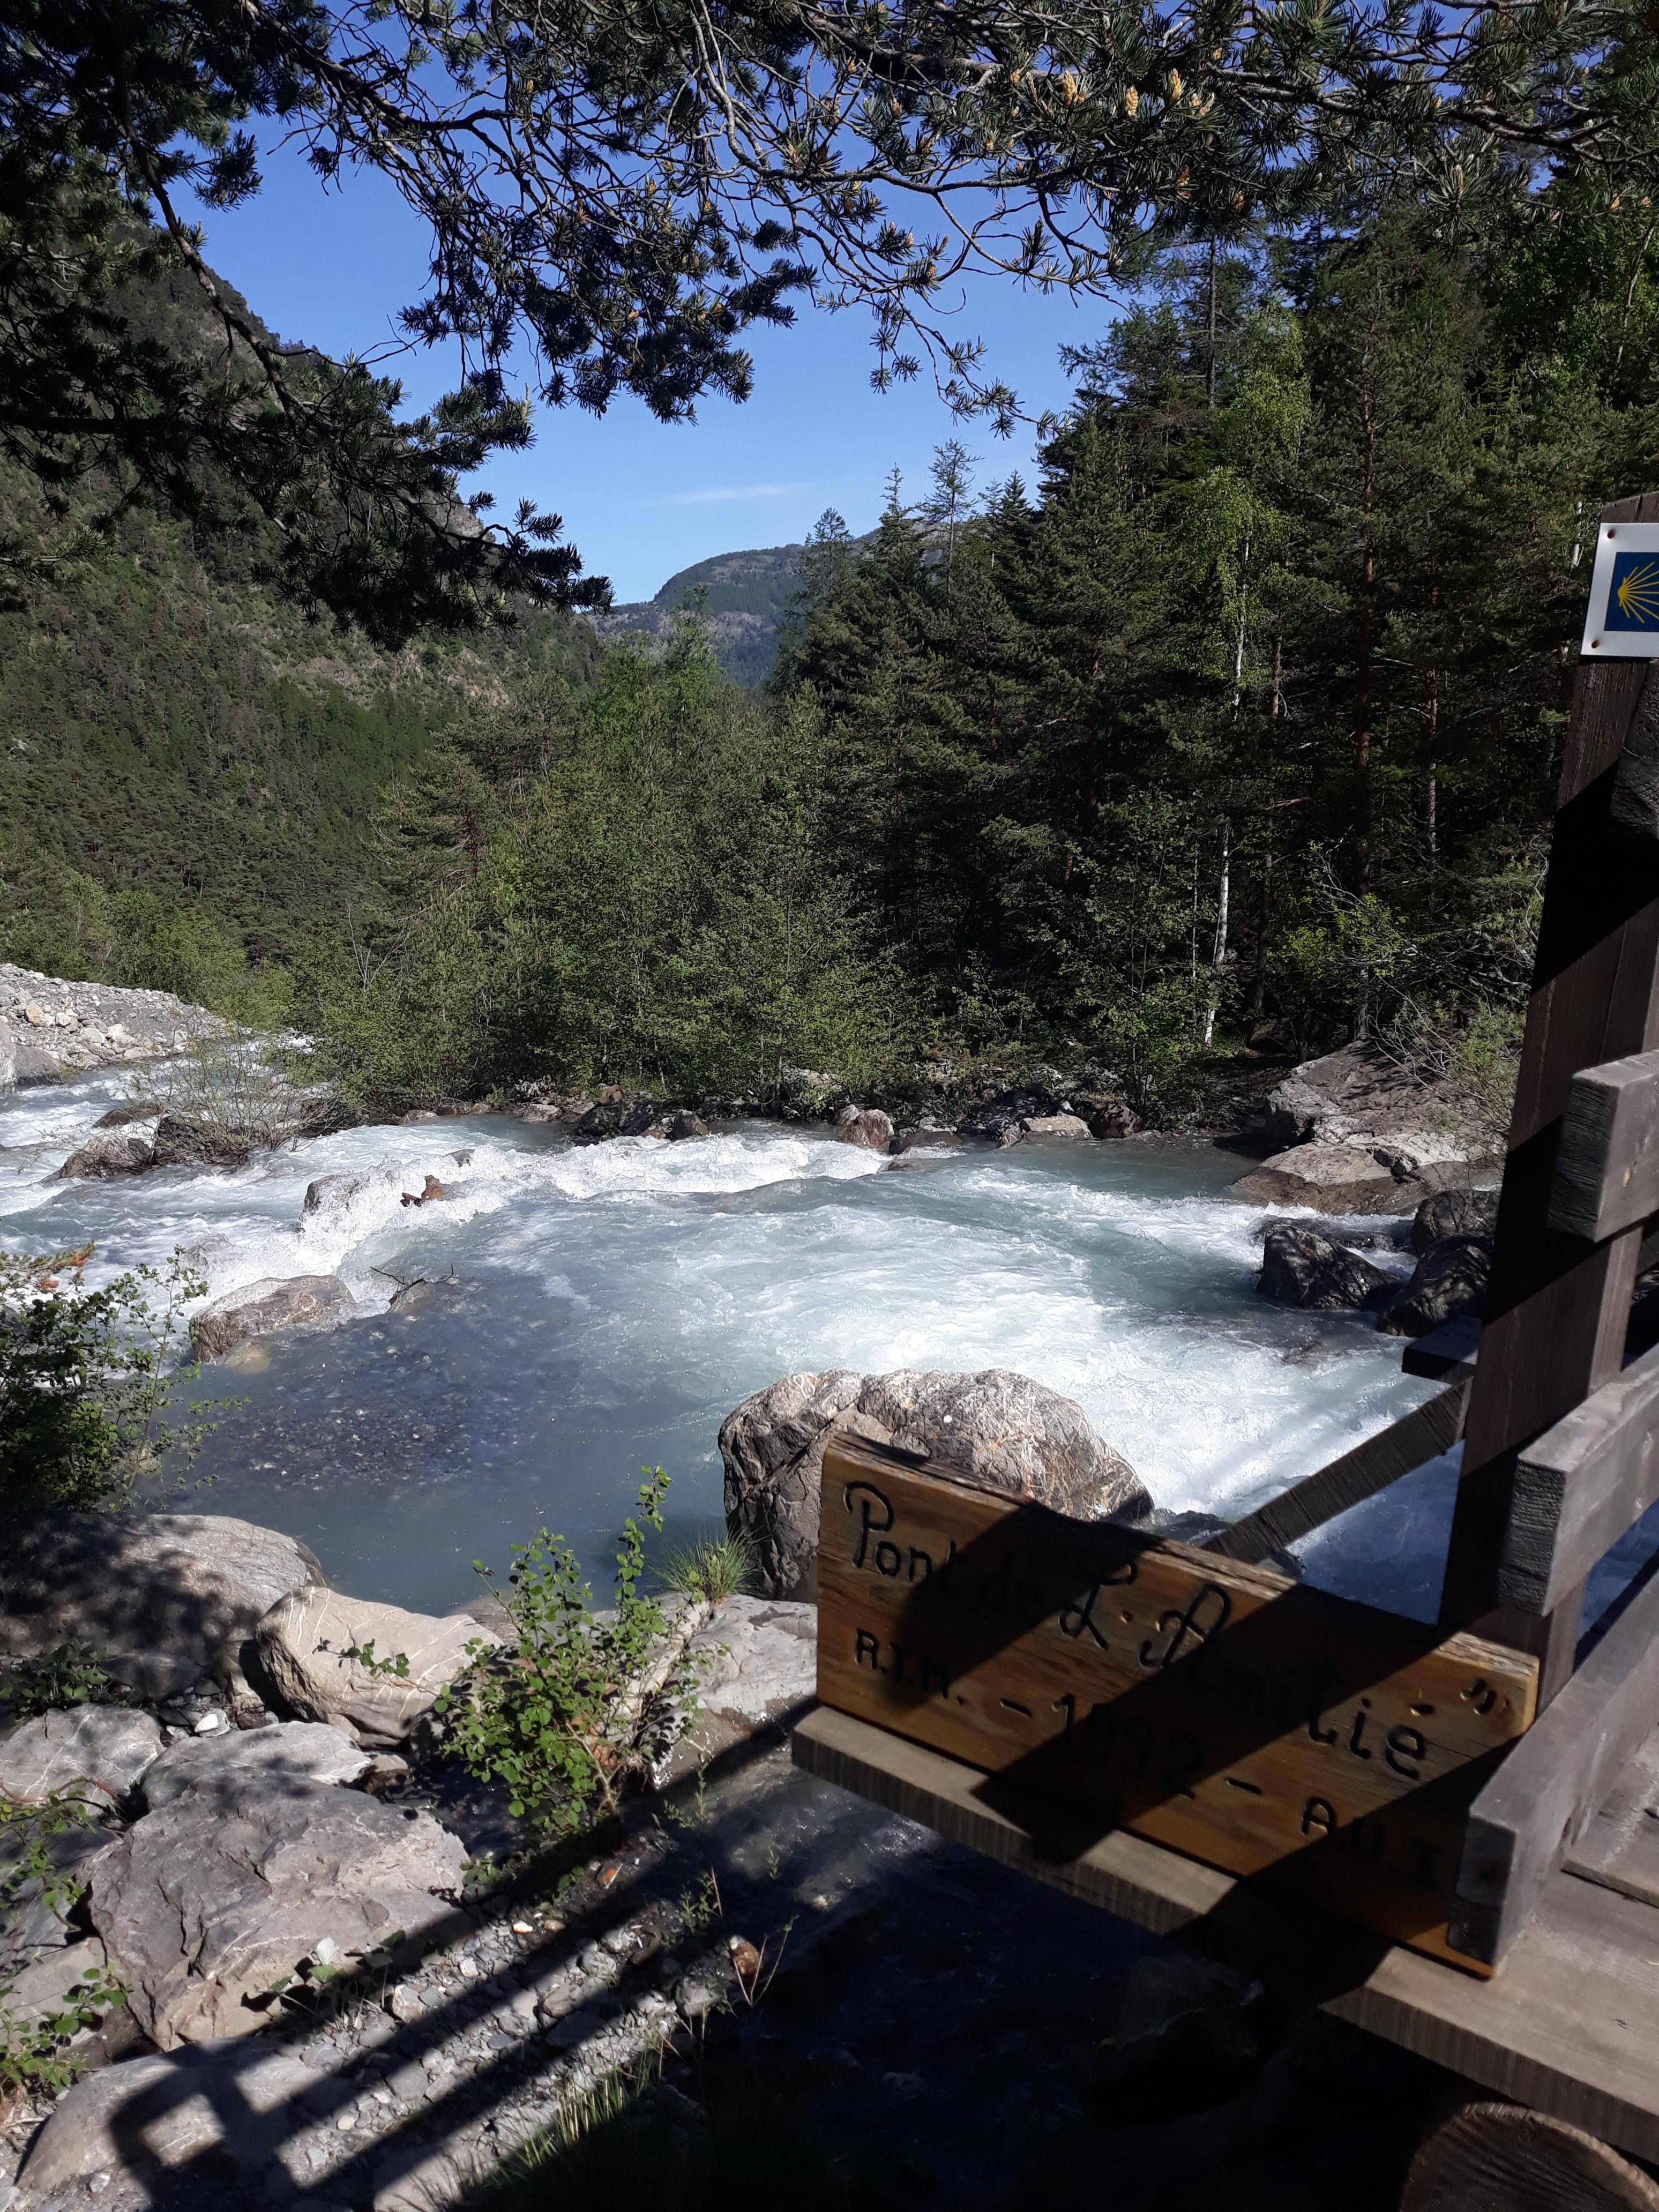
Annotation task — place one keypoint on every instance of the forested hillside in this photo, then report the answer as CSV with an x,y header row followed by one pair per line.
x,y
1246,715
191,768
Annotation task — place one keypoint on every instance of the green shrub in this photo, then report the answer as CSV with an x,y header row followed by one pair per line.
x,y
558,1715
72,1674
88,1389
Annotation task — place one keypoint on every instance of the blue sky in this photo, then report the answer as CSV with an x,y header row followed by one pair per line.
x,y
642,499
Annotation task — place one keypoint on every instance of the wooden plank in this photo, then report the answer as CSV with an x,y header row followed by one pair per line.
x,y
1620,1847
1635,803
1580,1487
1570,2026
1410,1443
1269,1729
1541,1800
1556,1313
1607,1162
1446,1354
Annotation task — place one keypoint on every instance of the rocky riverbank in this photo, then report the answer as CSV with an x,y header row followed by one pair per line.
x,y
51,1032
344,1984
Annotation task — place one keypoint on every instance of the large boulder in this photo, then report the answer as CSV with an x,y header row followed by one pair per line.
x,y
1329,1179
163,1598
865,1125
106,1158
304,1642
100,1750
209,1903
1300,1267
217,1769
1363,1096
995,1428
1454,1214
1449,1279
262,1308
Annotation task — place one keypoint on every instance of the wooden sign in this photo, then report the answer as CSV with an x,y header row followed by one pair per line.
x,y
1226,1711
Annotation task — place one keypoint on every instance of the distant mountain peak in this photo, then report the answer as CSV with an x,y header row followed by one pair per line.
x,y
748,594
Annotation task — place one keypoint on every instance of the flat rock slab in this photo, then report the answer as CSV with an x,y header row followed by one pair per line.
x,y
1330,1179
164,1598
757,1661
211,1901
216,1770
196,2127
304,1639
99,1750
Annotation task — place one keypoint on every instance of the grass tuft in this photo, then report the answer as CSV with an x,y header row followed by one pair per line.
x,y
714,1567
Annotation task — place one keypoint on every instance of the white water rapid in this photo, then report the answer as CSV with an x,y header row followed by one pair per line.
x,y
611,1304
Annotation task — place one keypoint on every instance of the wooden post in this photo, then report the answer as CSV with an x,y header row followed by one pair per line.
x,y
1556,1308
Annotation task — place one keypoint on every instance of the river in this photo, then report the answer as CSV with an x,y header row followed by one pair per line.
x,y
589,1310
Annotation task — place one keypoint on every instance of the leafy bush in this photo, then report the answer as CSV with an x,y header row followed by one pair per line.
x,y
72,1674
88,1389
231,1086
559,1716
34,2050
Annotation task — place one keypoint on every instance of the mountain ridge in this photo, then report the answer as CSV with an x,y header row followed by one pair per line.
x,y
745,596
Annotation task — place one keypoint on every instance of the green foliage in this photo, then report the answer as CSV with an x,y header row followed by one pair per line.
x,y
714,1567
34,2050
72,1674
29,1874
557,1716
638,883
230,1085
90,1396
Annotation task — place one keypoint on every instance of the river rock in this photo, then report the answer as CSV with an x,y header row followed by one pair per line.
x,y
1300,1267
163,1598
187,2130
208,1903
1450,1279
333,1194
106,1158
181,1141
216,1770
1454,1214
100,1749
261,1308
1056,1125
996,1428
1113,1121
865,1125
683,1123
1329,1179
303,1640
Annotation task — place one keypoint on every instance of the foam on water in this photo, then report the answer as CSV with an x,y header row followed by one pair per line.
x,y
610,1303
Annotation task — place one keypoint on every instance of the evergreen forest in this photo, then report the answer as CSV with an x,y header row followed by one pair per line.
x,y
1241,721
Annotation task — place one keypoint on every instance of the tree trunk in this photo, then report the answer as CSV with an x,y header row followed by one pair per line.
x,y
1218,958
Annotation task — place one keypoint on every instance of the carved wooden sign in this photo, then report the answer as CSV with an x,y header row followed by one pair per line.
x,y
1219,1709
